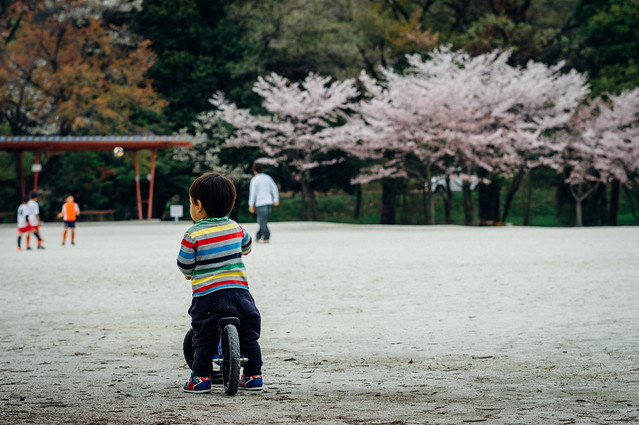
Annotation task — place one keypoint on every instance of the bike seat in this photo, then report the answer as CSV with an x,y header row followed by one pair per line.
x,y
228,321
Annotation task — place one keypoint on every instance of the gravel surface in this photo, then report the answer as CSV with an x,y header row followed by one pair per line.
x,y
361,325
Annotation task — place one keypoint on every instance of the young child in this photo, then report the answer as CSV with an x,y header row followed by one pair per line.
x,y
34,218
211,258
69,213
23,224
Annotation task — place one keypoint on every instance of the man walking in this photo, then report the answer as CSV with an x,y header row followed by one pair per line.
x,y
263,195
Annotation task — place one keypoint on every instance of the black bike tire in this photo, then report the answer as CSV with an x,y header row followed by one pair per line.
x,y
231,360
187,348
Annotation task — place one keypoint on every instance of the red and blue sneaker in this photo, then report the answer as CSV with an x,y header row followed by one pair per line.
x,y
198,384
251,383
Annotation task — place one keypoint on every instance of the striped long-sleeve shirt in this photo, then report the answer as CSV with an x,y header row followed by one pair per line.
x,y
211,255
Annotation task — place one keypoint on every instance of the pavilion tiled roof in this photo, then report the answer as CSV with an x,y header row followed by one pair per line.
x,y
91,143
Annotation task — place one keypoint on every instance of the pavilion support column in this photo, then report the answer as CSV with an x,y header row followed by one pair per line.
x,y
150,210
36,169
21,171
137,183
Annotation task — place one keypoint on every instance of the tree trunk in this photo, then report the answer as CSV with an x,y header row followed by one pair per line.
x,y
579,199
448,202
389,201
431,198
425,191
404,216
468,204
613,210
632,197
489,202
528,203
514,187
306,201
431,208
358,201
314,209
578,217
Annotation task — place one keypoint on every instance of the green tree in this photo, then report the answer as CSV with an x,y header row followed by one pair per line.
x,y
608,43
199,49
534,29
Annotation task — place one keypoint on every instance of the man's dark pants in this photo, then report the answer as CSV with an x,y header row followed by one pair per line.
x,y
263,213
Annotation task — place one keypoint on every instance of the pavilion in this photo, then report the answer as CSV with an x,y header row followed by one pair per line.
x,y
38,144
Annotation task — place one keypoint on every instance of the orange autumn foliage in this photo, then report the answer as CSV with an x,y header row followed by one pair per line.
x,y
60,75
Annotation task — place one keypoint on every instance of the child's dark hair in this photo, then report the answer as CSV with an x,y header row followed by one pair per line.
x,y
258,167
215,192
25,199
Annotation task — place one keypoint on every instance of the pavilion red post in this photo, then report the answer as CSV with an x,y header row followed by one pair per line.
x,y
21,165
36,169
137,183
148,214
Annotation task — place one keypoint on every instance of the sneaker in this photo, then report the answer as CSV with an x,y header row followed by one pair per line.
x,y
40,247
251,383
29,248
198,384
19,249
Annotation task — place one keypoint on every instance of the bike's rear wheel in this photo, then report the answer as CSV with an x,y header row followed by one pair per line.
x,y
187,348
230,359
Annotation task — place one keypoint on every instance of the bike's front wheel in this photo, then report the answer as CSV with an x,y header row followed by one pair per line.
x,y
230,359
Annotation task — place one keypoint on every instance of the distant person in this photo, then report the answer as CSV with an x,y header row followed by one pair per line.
x,y
263,195
211,258
23,222
34,218
70,212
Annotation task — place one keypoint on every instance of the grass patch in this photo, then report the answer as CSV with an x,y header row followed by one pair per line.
x,y
340,207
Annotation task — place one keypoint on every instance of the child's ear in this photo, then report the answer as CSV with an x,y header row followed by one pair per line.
x,y
198,206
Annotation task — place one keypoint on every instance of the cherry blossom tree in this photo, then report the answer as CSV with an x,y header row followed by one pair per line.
x,y
460,113
206,153
394,129
599,146
494,114
626,112
294,131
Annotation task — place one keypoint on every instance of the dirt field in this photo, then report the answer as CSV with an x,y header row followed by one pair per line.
x,y
361,325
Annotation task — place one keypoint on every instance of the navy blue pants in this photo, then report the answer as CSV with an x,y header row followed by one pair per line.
x,y
205,312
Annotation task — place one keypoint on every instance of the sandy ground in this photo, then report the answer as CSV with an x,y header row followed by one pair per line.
x,y
361,325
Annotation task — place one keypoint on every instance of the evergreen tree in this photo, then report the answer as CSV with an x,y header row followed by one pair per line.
x,y
198,48
608,43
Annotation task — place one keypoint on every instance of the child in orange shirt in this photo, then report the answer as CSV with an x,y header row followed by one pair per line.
x,y
69,213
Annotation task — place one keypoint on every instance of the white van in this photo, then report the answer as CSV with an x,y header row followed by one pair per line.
x,y
438,183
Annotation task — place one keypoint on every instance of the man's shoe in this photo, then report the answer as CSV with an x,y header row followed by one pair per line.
x,y
198,384
251,383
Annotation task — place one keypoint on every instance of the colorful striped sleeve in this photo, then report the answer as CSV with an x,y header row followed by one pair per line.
x,y
247,242
186,256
